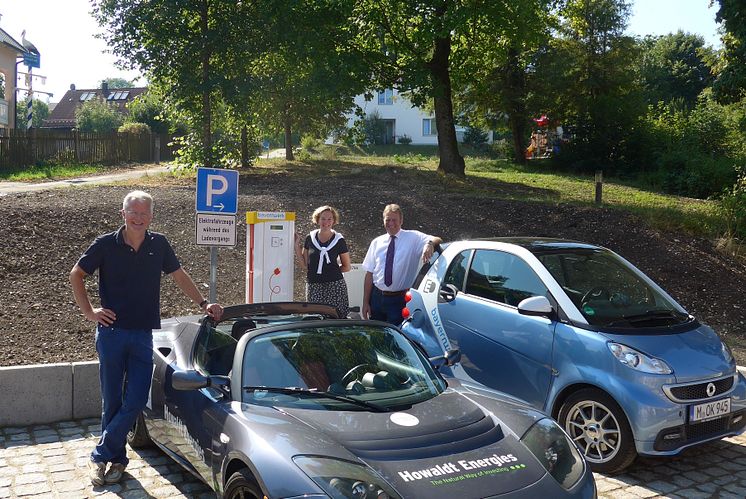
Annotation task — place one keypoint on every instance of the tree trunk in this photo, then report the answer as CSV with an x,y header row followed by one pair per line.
x,y
451,161
518,130
288,135
515,83
206,111
245,147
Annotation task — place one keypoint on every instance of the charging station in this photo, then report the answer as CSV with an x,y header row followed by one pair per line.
x,y
270,263
355,280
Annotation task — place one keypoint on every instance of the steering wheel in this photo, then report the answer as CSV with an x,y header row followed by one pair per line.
x,y
344,380
595,293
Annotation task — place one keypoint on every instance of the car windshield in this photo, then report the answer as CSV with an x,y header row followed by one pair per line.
x,y
609,292
339,367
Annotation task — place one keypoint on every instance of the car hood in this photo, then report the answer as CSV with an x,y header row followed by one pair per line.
x,y
433,448
693,355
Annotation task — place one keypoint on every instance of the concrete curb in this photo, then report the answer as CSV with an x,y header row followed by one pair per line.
x,y
49,393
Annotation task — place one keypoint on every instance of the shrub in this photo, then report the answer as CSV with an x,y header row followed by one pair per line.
x,y
310,143
135,128
503,149
405,140
733,208
97,115
693,174
374,128
475,137
303,155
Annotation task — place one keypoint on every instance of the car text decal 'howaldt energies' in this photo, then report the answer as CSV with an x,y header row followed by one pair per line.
x,y
472,468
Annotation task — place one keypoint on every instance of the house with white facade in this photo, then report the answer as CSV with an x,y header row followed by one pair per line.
x,y
401,118
10,50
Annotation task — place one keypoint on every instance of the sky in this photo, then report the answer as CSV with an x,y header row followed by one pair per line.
x,y
63,31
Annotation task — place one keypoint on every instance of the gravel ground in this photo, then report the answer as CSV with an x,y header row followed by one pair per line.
x,y
42,234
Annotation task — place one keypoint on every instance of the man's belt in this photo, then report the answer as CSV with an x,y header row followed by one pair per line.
x,y
392,293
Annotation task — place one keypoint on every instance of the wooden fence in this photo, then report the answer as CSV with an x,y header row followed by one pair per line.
x,y
21,148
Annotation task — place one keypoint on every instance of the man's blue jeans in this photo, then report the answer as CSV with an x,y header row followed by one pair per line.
x,y
125,370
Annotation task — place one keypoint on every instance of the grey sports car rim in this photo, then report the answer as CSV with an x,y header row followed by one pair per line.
x,y
594,429
243,492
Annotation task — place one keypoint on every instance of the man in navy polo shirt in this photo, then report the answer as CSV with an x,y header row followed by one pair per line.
x,y
130,262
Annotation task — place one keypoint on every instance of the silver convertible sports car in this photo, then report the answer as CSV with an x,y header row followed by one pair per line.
x,y
284,400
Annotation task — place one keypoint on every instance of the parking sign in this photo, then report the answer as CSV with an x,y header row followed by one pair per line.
x,y
217,191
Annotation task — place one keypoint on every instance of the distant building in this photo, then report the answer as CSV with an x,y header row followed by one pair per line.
x,y
62,116
401,118
10,50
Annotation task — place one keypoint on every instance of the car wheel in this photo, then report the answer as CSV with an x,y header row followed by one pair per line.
x,y
241,485
138,436
598,426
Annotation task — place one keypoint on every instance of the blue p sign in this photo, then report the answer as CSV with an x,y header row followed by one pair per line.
x,y
217,190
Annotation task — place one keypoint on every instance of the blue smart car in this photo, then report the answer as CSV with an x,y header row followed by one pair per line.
x,y
580,333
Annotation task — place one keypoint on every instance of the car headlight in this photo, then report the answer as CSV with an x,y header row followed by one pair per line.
x,y
554,450
638,360
345,480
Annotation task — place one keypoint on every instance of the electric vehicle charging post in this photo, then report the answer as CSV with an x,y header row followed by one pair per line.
x,y
215,220
270,262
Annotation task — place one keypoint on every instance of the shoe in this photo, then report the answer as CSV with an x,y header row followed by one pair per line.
x,y
114,474
96,472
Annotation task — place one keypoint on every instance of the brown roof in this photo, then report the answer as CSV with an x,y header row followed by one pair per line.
x,y
63,114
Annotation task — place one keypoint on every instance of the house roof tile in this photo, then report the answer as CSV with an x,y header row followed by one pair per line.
x,y
63,114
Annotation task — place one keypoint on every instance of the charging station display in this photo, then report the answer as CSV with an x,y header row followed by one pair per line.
x,y
270,256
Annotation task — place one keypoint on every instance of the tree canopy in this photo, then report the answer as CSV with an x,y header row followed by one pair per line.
x,y
39,110
96,115
730,84
675,66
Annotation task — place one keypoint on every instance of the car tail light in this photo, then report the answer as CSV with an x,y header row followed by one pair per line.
x,y
405,312
408,296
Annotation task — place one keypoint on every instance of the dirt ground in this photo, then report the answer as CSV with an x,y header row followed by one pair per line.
x,y
42,234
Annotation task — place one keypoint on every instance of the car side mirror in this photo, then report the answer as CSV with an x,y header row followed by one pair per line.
x,y
192,380
536,306
447,293
449,358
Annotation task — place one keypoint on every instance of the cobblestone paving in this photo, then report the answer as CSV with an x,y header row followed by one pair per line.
x,y
51,461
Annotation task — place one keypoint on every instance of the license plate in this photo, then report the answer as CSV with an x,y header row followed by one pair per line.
x,y
709,410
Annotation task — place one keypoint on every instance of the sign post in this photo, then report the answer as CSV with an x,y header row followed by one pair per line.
x,y
216,206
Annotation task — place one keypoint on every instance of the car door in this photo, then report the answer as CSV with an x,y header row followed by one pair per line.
x,y
191,415
500,348
186,419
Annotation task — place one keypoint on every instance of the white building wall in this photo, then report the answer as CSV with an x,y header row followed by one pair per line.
x,y
408,119
7,67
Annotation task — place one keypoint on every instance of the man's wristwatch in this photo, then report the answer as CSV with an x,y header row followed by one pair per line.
x,y
202,304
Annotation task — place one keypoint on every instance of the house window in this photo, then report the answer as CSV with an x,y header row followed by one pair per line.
x,y
386,97
117,95
87,96
428,127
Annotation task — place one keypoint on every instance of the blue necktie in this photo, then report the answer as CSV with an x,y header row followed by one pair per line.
x,y
388,270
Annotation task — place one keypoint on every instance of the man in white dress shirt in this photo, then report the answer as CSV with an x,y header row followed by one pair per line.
x,y
391,266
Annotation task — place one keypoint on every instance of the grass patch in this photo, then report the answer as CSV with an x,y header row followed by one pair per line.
x,y
50,172
502,179
662,211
